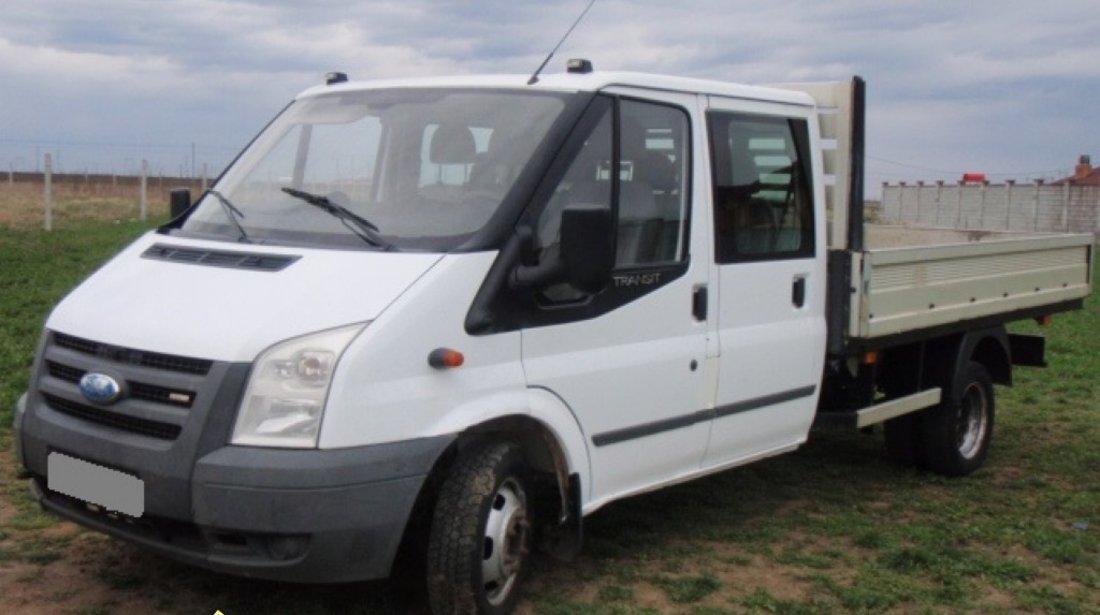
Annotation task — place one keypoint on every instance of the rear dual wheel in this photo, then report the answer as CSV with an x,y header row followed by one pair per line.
x,y
952,438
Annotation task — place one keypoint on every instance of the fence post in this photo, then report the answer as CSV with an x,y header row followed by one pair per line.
x,y
1035,221
981,205
959,207
48,194
939,200
11,174
1008,199
144,203
1065,205
920,188
204,177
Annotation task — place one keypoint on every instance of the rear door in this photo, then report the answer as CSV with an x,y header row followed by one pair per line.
x,y
769,264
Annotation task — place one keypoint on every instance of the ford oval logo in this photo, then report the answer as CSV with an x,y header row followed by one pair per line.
x,y
100,388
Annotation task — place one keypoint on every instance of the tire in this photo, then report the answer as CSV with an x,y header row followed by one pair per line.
x,y
480,540
903,439
955,435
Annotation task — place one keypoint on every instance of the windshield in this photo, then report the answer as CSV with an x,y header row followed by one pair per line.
x,y
426,168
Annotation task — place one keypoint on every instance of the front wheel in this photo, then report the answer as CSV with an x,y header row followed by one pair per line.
x,y
956,434
480,538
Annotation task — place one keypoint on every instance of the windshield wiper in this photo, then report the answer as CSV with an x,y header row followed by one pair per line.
x,y
231,212
356,224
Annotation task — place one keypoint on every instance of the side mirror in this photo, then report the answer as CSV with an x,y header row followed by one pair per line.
x,y
179,200
587,247
585,254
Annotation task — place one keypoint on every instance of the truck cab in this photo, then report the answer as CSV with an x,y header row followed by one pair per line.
x,y
453,315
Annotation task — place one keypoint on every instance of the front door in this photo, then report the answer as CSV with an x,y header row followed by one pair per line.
x,y
629,362
770,270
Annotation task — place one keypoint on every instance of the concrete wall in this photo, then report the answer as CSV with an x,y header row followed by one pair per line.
x,y
1012,207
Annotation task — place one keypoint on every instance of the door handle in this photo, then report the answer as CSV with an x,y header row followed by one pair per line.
x,y
798,292
699,303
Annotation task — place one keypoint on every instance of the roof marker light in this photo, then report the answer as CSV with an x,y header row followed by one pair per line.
x,y
578,66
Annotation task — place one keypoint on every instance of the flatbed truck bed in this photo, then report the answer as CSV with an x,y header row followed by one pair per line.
x,y
908,307
909,279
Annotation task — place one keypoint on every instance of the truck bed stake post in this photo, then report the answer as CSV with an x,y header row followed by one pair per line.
x,y
855,196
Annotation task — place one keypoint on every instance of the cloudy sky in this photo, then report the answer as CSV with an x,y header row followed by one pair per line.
x,y
1006,87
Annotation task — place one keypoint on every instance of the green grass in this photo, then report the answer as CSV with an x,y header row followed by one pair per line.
x,y
38,269
832,528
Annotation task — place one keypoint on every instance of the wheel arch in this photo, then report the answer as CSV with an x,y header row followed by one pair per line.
x,y
547,433
990,347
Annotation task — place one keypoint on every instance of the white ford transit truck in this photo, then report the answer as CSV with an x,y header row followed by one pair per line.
x,y
455,316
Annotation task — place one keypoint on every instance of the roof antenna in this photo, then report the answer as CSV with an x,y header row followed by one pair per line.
x,y
535,76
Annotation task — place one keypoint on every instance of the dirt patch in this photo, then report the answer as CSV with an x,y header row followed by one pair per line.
x,y
63,586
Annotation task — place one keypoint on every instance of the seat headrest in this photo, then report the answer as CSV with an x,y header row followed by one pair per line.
x,y
453,144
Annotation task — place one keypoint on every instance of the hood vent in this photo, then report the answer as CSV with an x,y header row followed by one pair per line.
x,y
220,258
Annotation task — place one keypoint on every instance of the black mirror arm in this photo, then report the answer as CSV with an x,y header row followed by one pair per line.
x,y
548,272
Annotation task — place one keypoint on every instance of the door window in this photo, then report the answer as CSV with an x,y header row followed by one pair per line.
x,y
652,191
763,206
649,179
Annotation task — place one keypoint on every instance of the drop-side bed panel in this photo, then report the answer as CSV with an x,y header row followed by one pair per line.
x,y
905,289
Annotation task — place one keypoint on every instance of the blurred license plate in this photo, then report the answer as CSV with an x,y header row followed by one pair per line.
x,y
111,489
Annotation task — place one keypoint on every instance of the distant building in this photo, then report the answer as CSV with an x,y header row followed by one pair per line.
x,y
1084,174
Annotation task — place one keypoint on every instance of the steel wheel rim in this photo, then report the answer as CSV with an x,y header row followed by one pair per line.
x,y
972,420
505,542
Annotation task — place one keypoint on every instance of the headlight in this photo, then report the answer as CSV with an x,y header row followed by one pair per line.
x,y
286,393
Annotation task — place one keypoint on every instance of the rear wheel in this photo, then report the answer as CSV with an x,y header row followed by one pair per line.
x,y
480,538
955,435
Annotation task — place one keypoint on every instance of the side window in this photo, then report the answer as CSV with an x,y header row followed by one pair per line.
x,y
653,205
586,182
651,177
763,205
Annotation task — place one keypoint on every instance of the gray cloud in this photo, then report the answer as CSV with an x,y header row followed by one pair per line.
x,y
999,86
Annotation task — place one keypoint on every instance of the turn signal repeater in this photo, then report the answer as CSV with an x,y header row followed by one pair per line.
x,y
445,358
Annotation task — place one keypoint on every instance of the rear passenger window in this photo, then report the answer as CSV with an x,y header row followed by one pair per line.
x,y
763,205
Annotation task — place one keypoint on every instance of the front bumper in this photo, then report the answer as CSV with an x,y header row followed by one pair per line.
x,y
288,515
294,515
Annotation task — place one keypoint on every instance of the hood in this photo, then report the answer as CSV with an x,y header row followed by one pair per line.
x,y
212,300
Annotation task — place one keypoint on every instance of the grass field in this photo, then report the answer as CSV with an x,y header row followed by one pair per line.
x,y
22,203
833,528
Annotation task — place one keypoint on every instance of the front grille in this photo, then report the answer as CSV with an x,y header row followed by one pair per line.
x,y
161,395
64,372
137,390
154,429
155,360
159,391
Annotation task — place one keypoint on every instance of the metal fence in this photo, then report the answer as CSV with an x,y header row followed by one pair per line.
x,y
144,188
1009,206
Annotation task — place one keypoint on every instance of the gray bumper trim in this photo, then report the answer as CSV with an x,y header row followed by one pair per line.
x,y
347,509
